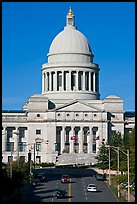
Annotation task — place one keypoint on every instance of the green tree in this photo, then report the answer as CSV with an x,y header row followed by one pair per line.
x,y
102,157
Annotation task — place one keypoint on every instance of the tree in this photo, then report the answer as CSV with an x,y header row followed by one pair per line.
x,y
102,157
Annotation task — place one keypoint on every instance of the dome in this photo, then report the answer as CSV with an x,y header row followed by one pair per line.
x,y
70,72
70,40
70,45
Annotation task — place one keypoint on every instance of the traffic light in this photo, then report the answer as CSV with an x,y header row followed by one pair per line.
x,y
29,156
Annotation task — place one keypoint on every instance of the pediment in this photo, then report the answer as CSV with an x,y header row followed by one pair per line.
x,y
78,106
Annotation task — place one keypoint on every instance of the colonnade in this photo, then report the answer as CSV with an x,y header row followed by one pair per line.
x,y
70,81
79,137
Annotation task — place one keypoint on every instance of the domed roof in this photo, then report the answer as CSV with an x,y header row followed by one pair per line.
x,y
70,40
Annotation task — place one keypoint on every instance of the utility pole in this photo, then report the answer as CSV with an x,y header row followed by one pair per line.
x,y
118,170
127,154
128,176
109,167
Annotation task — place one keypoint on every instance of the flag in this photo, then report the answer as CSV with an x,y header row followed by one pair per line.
x,y
73,138
97,138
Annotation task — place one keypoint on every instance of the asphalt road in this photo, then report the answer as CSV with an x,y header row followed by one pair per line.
x,y
76,189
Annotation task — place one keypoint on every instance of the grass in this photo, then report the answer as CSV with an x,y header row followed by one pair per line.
x,y
114,191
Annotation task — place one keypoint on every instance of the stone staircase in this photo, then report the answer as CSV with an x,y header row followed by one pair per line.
x,y
76,158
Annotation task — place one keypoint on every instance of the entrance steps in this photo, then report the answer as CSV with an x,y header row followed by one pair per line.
x,y
76,158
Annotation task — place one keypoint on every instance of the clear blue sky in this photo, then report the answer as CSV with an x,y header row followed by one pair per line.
x,y
28,29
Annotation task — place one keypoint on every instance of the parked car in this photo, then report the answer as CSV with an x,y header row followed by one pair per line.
x,y
100,177
36,182
65,178
91,187
61,193
40,176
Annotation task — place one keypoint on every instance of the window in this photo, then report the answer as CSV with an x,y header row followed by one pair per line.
x,y
22,146
38,146
9,146
38,132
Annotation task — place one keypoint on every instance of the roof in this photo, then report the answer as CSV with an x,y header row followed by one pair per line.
x,y
129,114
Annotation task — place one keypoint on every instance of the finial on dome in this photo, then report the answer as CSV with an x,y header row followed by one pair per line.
x,y
70,17
70,13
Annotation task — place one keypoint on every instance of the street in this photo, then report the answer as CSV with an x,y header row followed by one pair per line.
x,y
76,189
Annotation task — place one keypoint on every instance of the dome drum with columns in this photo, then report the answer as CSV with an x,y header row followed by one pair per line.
x,y
70,68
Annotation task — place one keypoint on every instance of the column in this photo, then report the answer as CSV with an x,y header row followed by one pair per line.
x,y
97,141
16,141
89,81
77,73
94,82
62,139
43,83
50,80
91,139
4,135
46,82
83,88
88,142
4,140
80,140
71,142
62,80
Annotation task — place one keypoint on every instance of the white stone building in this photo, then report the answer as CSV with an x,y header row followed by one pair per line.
x,y
68,118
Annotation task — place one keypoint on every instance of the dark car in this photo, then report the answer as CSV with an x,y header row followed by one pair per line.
x,y
100,177
61,193
40,176
36,182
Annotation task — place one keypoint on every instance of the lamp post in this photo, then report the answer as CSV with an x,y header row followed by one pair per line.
x,y
127,154
109,167
118,170
116,149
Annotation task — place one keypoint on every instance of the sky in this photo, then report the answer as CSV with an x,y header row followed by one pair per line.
x,y
28,29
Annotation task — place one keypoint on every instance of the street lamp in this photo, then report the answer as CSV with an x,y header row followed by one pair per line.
x,y
116,149
127,154
109,167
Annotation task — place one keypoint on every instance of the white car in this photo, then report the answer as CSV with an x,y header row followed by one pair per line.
x,y
91,187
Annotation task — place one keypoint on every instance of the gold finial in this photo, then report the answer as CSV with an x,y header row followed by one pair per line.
x,y
70,13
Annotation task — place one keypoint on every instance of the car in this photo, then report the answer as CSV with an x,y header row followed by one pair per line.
x,y
61,193
100,177
65,178
36,182
40,176
91,187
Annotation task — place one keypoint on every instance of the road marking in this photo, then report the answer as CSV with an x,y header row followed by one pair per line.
x,y
69,192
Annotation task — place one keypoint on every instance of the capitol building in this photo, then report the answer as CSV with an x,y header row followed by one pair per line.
x,y
68,120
